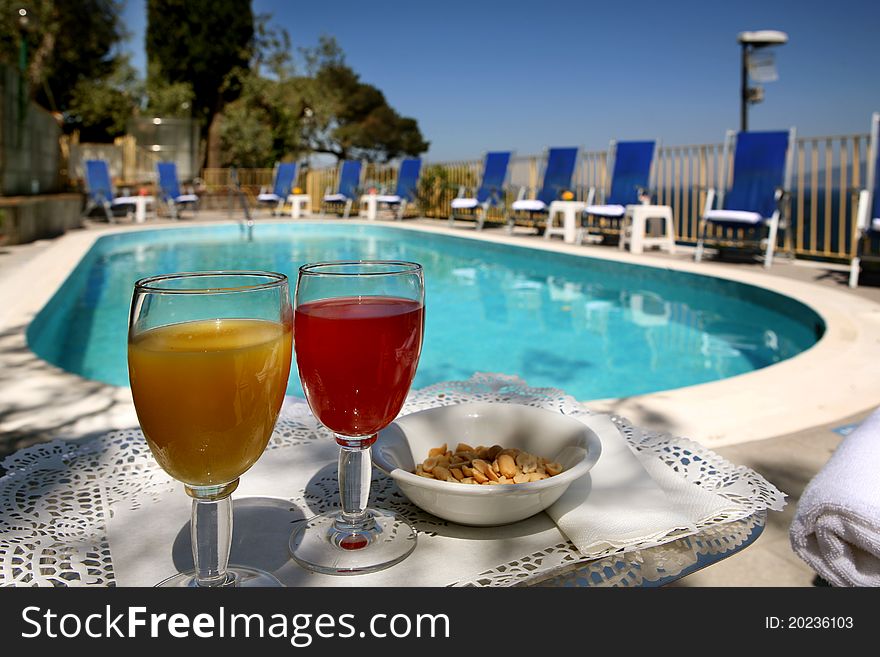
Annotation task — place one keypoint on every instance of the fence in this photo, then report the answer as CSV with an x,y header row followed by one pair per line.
x,y
821,212
819,223
129,163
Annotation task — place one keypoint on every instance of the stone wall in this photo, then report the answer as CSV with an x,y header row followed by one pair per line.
x,y
28,218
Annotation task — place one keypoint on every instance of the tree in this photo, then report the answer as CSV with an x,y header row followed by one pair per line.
x,y
65,43
200,42
345,117
261,127
170,99
101,108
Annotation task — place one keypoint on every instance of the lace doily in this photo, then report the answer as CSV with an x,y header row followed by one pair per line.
x,y
57,497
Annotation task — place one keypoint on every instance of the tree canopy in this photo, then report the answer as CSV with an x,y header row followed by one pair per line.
x,y
328,110
205,58
200,42
66,44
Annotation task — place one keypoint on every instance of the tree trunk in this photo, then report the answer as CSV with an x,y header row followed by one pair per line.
x,y
214,150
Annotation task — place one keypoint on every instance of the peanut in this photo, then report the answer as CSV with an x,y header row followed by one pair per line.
x,y
485,465
506,465
553,468
481,465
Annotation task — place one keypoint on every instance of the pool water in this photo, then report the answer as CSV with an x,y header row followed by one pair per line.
x,y
594,328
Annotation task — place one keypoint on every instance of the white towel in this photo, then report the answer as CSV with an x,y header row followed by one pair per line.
x,y
836,528
631,501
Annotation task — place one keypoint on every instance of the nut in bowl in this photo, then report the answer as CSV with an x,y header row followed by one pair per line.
x,y
549,440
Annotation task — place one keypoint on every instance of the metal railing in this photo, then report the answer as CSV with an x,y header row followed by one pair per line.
x,y
821,209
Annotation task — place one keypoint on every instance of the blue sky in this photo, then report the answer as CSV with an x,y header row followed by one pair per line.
x,y
490,74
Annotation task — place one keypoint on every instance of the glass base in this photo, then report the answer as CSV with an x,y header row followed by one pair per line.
x,y
237,577
328,545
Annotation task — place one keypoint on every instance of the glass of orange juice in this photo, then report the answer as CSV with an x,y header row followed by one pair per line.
x,y
208,361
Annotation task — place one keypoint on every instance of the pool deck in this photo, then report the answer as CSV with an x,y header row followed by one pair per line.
x,y
779,421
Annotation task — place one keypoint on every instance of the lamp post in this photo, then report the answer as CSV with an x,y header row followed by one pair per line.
x,y
751,42
23,25
22,41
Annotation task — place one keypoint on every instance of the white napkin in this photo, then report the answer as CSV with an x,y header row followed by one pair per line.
x,y
629,500
836,528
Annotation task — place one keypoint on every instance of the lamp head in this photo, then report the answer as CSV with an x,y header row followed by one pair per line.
x,y
762,38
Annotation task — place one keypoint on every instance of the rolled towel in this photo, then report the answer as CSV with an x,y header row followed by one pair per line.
x,y
836,528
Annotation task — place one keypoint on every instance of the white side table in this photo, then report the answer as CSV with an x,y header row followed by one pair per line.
x,y
299,204
140,207
635,222
369,206
570,211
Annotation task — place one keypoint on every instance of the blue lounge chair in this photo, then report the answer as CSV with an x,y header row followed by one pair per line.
x,y
558,171
630,164
100,192
868,213
285,174
762,164
405,192
489,193
346,189
169,190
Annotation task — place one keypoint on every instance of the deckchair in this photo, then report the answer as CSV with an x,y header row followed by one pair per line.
x,y
100,192
405,192
169,190
762,164
346,188
285,174
868,213
630,164
489,193
558,171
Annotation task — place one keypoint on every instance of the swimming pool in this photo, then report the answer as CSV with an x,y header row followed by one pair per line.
x,y
597,329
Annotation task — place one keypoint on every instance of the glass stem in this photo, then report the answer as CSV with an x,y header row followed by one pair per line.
x,y
211,539
355,471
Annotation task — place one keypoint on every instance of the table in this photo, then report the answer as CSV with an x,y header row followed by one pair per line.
x,y
299,203
570,211
85,513
371,211
635,222
140,207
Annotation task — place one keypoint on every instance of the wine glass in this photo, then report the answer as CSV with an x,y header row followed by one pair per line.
x,y
359,329
208,360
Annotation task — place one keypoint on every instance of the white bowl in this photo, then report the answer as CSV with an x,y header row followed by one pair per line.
x,y
405,442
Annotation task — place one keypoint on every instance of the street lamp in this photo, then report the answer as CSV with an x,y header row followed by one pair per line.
x,y
760,69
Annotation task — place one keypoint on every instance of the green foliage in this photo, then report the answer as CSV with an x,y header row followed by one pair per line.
x,y
169,99
65,43
329,110
246,136
433,183
101,108
271,49
261,127
349,118
200,42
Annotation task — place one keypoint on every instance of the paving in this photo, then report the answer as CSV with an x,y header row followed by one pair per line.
x,y
32,388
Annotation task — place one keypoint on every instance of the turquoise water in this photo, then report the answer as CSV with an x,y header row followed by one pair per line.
x,y
596,329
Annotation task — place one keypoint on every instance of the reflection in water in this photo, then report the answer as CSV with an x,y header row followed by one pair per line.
x,y
649,309
598,329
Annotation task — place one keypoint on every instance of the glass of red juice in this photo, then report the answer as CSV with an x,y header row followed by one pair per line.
x,y
358,329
